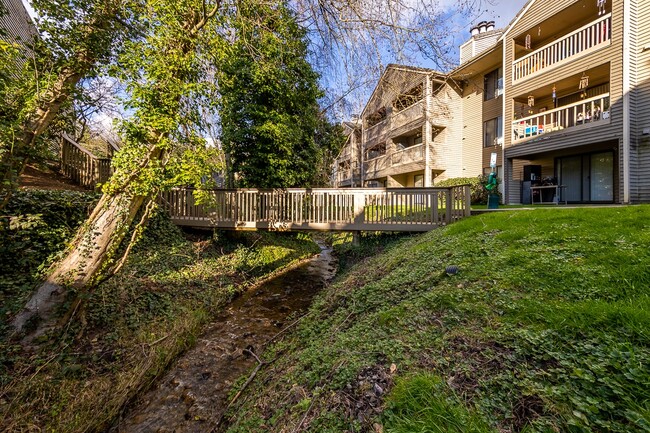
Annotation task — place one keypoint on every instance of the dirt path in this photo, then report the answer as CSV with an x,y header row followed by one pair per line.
x,y
39,178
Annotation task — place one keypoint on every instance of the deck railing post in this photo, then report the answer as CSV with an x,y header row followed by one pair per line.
x,y
448,206
468,200
359,208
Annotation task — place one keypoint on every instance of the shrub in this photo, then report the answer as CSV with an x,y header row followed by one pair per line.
x,y
479,193
34,227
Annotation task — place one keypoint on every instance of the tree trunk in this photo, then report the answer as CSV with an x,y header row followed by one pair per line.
x,y
14,161
95,244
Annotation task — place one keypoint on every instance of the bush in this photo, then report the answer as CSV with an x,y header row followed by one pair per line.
x,y
34,227
479,193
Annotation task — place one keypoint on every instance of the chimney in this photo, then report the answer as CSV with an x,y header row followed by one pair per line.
x,y
490,26
474,30
483,27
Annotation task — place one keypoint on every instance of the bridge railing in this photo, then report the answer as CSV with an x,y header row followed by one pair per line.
x,y
382,209
82,166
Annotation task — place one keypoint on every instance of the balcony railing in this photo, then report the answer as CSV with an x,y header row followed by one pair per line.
x,y
377,164
409,154
377,133
408,115
585,112
581,41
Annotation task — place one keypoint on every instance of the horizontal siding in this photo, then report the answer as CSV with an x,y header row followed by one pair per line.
x,y
447,151
641,93
17,23
539,12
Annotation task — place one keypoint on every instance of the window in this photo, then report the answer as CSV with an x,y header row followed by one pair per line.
x,y
418,180
493,84
492,132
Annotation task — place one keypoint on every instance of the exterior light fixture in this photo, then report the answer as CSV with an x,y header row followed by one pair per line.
x,y
584,82
600,4
531,101
528,42
554,92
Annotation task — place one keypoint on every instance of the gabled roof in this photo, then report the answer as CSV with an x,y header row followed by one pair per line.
x,y
392,73
516,19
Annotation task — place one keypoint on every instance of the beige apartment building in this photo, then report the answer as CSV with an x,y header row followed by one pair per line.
x,y
576,99
561,96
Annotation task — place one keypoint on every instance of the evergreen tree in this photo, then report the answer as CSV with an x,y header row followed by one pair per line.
x,y
269,110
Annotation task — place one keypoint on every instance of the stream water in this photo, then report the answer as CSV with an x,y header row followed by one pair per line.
x,y
192,396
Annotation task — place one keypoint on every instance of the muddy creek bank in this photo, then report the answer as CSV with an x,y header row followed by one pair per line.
x,y
193,395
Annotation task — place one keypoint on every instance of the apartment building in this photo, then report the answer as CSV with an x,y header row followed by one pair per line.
x,y
347,166
421,126
560,96
576,100
406,131
481,84
16,26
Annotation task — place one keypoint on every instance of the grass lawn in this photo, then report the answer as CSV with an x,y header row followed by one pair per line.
x,y
545,327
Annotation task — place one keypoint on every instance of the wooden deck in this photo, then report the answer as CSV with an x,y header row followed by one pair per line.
x,y
350,209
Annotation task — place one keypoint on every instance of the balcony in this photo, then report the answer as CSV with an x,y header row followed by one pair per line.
x,y
377,133
391,163
408,115
589,111
577,43
407,155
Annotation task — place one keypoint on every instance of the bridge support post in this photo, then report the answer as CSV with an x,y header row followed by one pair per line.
x,y
356,238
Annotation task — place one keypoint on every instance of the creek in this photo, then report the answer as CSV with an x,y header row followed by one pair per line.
x,y
193,395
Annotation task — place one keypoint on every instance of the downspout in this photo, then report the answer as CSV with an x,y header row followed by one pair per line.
x,y
626,99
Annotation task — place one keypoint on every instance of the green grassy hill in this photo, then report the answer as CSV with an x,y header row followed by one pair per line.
x,y
544,328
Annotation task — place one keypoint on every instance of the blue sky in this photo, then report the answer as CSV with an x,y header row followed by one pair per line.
x,y
455,33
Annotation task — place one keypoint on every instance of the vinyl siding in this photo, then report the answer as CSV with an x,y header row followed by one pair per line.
x,y
17,23
539,12
640,104
447,150
473,126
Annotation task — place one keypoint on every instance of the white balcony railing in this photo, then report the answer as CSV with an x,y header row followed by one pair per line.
x,y
585,112
581,41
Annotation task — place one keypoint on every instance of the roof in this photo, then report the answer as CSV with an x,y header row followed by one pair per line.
x,y
393,68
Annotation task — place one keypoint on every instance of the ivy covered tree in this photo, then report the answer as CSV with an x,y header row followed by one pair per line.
x,y
81,36
163,75
269,99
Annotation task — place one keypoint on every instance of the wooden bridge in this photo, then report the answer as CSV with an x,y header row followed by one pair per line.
x,y
349,209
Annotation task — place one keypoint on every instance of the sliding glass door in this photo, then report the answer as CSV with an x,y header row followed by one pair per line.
x,y
587,178
602,177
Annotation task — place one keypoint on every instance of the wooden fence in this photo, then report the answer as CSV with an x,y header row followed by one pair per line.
x,y
380,209
82,166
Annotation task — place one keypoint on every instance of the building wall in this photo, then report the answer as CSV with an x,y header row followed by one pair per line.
x,y
539,12
640,101
447,151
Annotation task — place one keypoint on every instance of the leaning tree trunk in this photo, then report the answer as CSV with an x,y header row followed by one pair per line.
x,y
14,162
48,105
95,244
